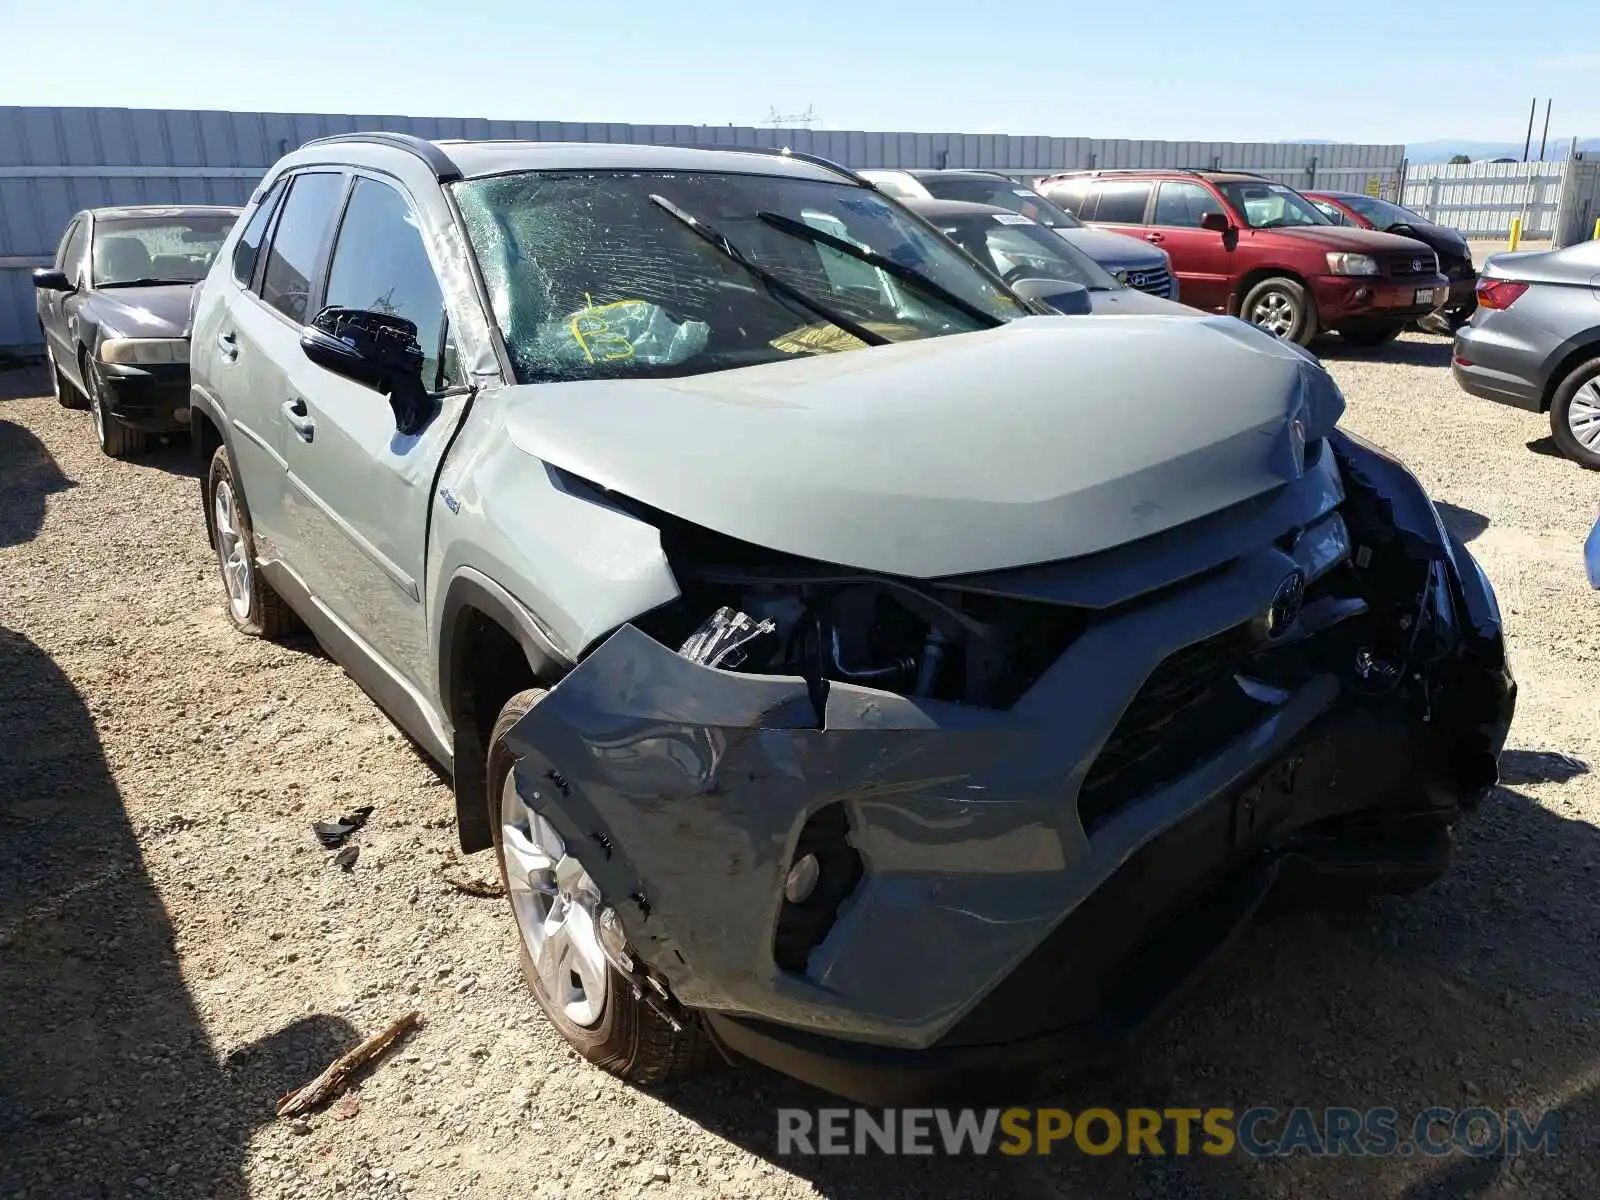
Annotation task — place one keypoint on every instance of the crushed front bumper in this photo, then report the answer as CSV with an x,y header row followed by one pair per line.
x,y
152,398
993,923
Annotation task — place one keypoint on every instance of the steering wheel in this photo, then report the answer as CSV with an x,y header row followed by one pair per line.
x,y
1022,271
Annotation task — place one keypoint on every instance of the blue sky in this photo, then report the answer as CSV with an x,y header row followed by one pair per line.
x,y
1363,70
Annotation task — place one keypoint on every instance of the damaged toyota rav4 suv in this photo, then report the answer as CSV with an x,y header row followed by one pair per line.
x,y
851,667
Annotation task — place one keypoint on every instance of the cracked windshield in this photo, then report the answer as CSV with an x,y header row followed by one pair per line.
x,y
595,275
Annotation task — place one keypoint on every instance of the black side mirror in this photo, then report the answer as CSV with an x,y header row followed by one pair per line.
x,y
1069,299
48,279
376,350
1216,222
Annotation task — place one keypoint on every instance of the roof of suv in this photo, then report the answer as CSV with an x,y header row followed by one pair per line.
x,y
1160,172
116,211
451,160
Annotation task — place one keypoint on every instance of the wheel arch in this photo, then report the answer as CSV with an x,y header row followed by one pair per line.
x,y
1568,358
1257,275
208,429
490,648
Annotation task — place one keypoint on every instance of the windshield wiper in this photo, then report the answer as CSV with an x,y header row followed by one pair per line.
x,y
146,281
906,275
725,247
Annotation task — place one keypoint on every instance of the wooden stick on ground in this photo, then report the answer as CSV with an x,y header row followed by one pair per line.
x,y
333,1081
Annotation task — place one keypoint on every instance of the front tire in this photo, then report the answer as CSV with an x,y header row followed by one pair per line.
x,y
116,439
1575,415
1282,307
554,903
253,607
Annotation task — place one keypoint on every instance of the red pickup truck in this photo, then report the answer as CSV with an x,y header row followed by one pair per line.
x,y
1245,245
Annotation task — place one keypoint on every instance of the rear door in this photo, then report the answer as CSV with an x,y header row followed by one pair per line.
x,y
258,344
1201,258
359,489
58,311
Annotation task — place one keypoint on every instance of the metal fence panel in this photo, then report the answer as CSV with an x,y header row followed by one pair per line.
x,y
54,161
1480,199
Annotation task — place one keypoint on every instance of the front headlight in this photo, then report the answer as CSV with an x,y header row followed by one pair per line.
x,y
1342,263
144,352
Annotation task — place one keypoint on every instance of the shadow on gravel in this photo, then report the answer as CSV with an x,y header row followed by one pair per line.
x,y
1462,522
29,476
1477,991
1409,352
1546,446
108,1083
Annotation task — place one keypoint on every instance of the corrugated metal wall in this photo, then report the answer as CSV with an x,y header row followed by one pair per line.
x,y
1556,200
54,161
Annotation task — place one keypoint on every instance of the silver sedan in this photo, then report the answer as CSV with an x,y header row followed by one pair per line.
x,y
1535,342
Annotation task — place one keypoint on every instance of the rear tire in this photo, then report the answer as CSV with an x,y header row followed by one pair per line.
x,y
253,607
116,439
1282,307
66,395
627,1039
1575,415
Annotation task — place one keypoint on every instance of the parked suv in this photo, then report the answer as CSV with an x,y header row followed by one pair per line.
x,y
839,663
1455,255
1130,260
1245,245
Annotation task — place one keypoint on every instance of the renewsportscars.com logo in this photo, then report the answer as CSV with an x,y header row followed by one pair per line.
x,y
1259,1132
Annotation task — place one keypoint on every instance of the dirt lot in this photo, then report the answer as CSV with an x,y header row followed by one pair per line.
x,y
176,950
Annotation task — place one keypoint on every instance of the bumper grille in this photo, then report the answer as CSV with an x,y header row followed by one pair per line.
x,y
1157,281
1411,266
1187,709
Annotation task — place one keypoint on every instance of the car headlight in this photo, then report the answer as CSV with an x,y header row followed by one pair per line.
x,y
144,352
1342,263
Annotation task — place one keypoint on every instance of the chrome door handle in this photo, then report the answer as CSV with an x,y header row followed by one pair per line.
x,y
295,412
1154,237
229,345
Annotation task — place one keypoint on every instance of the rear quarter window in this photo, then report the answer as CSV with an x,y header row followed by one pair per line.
x,y
1122,201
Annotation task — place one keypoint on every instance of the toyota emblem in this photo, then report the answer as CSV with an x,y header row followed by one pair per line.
x,y
1287,601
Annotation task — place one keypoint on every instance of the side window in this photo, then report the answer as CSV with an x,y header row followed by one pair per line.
x,y
1072,195
1183,204
380,264
69,256
297,241
1334,214
247,249
1122,201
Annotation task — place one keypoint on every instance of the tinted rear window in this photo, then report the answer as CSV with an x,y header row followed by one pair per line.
x,y
1122,201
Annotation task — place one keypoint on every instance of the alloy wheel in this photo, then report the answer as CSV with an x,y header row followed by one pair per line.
x,y
557,907
232,552
91,384
1583,415
1275,313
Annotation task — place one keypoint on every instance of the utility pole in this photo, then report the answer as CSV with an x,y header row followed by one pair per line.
x,y
1543,137
1527,142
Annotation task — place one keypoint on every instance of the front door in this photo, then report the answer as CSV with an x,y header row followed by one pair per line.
x,y
53,305
361,490
1201,258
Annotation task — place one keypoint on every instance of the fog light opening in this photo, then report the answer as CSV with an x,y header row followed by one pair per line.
x,y
802,879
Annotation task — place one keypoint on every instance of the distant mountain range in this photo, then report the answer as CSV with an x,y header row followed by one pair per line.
x,y
1443,149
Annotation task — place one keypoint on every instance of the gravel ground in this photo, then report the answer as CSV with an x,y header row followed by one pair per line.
x,y
176,950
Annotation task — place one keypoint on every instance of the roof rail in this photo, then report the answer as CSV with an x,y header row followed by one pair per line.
x,y
816,160
1152,171
443,167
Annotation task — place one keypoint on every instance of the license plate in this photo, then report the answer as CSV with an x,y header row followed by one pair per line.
x,y
1424,295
